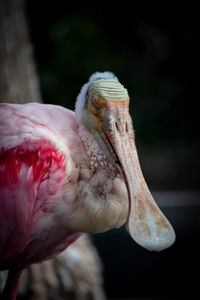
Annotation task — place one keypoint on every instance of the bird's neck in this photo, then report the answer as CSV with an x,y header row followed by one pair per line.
x,y
97,158
96,155
102,199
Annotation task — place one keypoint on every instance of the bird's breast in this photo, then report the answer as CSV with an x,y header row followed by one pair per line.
x,y
101,204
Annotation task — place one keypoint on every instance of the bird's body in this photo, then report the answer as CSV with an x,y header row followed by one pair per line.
x,y
44,168
63,173
35,174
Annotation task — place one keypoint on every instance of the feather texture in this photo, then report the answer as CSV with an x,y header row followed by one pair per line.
x,y
35,168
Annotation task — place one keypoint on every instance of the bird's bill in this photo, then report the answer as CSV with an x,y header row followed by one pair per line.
x,y
146,223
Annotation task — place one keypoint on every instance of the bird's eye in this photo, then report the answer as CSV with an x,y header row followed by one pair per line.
x,y
95,100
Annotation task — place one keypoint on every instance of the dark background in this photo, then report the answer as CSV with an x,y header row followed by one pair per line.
x,y
153,51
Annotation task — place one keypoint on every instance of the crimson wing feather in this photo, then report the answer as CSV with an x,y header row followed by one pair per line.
x,y
32,171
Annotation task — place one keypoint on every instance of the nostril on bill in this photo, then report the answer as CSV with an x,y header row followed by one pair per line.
x,y
126,127
117,127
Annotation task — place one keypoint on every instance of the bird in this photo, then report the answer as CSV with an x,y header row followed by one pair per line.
x,y
64,173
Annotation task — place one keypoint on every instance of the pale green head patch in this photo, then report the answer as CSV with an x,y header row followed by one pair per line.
x,y
109,89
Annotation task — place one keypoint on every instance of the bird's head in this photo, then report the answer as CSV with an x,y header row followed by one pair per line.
x,y
103,107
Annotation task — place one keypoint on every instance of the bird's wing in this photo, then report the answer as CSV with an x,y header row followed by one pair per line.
x,y
35,163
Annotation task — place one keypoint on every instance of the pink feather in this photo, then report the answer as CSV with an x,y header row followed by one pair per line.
x,y
32,179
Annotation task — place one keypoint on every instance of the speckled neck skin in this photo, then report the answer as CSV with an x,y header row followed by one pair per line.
x,y
92,147
97,157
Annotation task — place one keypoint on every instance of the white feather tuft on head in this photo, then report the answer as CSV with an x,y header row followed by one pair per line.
x,y
102,75
80,102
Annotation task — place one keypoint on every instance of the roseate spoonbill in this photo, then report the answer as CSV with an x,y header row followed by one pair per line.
x,y
63,173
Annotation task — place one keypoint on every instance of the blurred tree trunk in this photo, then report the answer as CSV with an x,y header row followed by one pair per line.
x,y
76,273
18,80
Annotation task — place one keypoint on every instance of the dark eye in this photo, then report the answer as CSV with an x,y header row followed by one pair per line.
x,y
95,100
